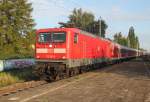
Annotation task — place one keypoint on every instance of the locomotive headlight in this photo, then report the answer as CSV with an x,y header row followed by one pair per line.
x,y
63,57
50,46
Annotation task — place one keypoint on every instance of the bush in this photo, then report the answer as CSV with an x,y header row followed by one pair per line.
x,y
16,76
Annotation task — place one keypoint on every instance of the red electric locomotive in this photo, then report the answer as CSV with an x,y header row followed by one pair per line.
x,y
62,52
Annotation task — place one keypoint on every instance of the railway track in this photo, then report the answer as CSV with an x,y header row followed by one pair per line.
x,y
20,87
123,74
146,60
12,89
32,84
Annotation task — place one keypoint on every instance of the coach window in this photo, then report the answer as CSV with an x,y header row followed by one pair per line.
x,y
75,38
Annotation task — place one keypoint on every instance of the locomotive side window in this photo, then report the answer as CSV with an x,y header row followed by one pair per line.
x,y
76,38
44,37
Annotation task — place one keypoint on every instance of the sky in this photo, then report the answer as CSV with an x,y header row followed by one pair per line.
x,y
119,15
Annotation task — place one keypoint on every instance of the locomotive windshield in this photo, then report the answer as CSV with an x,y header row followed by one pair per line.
x,y
52,37
44,37
59,37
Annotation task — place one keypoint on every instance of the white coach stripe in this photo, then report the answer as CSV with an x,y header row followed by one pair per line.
x,y
59,50
41,50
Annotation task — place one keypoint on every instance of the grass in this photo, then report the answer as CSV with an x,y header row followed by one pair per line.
x,y
16,76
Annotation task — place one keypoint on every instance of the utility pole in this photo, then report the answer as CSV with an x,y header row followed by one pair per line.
x,y
100,26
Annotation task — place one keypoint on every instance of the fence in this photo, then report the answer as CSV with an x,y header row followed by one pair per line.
x,y
16,63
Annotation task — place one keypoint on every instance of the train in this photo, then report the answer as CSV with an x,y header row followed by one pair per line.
x,y
65,52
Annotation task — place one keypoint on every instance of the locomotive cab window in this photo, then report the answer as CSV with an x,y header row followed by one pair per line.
x,y
44,37
59,37
76,38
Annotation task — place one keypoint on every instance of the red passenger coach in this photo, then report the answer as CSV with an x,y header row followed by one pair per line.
x,y
62,52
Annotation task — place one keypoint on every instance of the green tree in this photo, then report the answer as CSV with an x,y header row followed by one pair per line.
x,y
120,39
137,43
85,21
16,24
130,41
132,38
81,19
96,26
